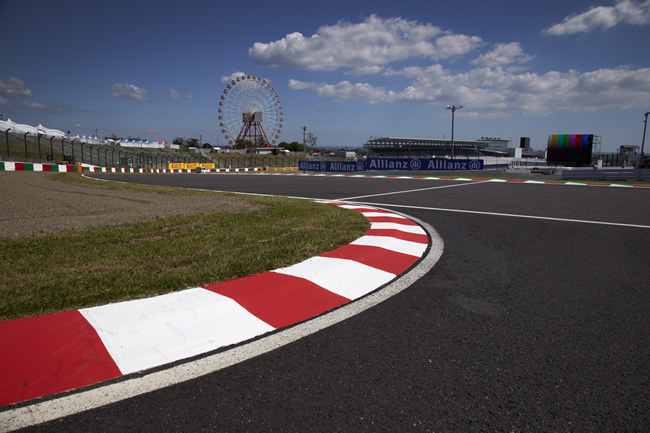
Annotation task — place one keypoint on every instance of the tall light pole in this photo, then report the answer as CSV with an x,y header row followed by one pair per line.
x,y
645,124
304,142
453,109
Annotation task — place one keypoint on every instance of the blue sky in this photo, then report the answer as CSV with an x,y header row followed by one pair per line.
x,y
345,70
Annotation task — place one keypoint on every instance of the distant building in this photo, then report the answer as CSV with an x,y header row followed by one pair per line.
x,y
436,147
427,147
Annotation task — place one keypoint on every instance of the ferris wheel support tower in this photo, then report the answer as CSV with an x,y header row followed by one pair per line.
x,y
252,129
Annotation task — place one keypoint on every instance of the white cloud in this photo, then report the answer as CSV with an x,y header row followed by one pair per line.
x,y
35,105
455,45
343,90
494,90
624,11
14,87
231,77
371,43
366,70
503,54
299,85
129,91
54,108
175,94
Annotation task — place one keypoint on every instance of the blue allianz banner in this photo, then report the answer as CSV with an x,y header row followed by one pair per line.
x,y
418,164
332,166
396,164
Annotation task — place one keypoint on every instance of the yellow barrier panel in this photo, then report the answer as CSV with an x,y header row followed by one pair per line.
x,y
176,166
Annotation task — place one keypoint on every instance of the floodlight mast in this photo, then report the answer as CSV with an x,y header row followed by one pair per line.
x,y
453,109
645,124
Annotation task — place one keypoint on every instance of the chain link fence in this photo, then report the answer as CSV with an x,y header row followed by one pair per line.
x,y
58,150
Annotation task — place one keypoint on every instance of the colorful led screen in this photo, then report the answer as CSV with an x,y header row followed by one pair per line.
x,y
570,149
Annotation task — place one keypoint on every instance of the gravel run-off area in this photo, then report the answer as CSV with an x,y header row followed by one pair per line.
x,y
32,204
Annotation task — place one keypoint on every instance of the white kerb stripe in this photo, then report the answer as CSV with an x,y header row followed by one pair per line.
x,y
382,214
398,226
146,333
406,247
347,278
354,206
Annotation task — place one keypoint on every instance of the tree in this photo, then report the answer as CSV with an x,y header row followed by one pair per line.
x,y
178,140
311,140
294,146
243,144
192,142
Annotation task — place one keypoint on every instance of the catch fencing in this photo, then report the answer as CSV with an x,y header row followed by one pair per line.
x,y
58,150
61,150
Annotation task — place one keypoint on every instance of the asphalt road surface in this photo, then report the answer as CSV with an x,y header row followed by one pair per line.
x,y
536,318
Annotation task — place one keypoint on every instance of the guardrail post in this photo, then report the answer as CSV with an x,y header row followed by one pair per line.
x,y
25,139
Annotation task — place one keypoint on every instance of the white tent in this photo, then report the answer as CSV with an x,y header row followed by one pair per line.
x,y
50,132
7,124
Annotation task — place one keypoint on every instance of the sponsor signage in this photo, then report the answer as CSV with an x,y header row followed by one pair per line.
x,y
388,164
332,166
419,164
190,166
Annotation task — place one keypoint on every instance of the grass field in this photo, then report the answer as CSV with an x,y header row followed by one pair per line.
x,y
58,272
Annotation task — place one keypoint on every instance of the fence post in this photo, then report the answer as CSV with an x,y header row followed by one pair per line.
x,y
39,145
25,139
52,148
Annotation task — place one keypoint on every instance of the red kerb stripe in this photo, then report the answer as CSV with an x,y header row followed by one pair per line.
x,y
278,299
394,233
376,257
48,354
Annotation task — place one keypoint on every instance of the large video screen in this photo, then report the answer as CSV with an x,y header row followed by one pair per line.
x,y
570,149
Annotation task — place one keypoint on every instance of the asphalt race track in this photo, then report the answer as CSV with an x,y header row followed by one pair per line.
x,y
536,318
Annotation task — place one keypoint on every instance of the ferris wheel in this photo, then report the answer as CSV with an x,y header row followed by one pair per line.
x,y
250,110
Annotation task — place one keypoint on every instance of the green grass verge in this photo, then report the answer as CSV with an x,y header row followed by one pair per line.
x,y
50,273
